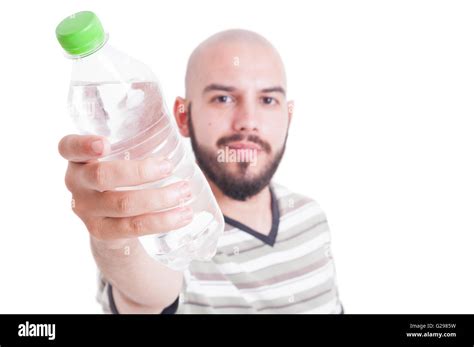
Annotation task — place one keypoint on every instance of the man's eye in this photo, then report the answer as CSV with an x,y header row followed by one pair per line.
x,y
268,100
222,99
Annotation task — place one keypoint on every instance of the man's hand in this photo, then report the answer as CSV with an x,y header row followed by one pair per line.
x,y
115,215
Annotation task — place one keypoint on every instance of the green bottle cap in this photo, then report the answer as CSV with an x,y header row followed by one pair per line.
x,y
81,33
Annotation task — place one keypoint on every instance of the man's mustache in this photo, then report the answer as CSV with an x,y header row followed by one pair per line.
x,y
223,141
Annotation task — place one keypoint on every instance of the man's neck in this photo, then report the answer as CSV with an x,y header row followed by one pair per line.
x,y
255,212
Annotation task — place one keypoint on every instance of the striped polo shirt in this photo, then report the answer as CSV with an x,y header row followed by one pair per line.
x,y
290,270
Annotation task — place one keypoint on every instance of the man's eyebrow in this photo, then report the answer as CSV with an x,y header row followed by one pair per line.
x,y
224,88
221,87
276,89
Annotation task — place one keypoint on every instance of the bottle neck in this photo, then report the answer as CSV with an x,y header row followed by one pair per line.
x,y
109,65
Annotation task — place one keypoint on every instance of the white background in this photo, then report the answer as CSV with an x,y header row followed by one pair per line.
x,y
382,139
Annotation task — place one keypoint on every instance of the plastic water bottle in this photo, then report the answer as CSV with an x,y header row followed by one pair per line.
x,y
116,96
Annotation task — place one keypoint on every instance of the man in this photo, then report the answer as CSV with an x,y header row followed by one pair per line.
x,y
274,256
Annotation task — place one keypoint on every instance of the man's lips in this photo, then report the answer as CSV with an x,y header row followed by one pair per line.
x,y
244,145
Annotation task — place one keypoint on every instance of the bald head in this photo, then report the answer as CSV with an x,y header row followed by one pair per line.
x,y
225,55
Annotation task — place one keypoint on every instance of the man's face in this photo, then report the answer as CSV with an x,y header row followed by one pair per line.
x,y
238,117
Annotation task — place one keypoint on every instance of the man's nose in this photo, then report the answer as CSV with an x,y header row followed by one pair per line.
x,y
245,117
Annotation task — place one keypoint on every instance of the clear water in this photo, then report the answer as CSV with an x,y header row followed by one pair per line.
x,y
134,118
116,110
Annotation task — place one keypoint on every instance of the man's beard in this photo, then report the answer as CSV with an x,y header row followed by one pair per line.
x,y
237,188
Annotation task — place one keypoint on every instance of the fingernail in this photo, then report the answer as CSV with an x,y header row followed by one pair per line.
x,y
186,213
97,146
185,189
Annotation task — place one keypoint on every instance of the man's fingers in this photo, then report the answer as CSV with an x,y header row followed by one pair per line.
x,y
153,223
82,148
108,175
134,202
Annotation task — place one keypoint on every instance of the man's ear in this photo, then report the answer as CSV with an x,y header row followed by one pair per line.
x,y
181,115
291,109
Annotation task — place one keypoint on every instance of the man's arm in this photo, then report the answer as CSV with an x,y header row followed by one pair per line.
x,y
139,283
